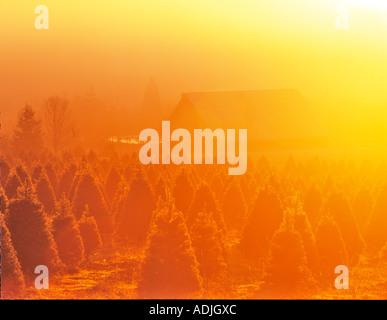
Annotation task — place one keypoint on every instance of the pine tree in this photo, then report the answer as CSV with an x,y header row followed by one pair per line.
x,y
22,171
362,208
234,207
312,205
339,208
52,175
208,246
330,246
376,231
66,234
45,193
36,171
5,169
112,182
139,203
183,192
287,267
28,133
170,269
13,183
265,218
30,233
88,193
303,227
12,278
66,179
204,201
161,189
90,234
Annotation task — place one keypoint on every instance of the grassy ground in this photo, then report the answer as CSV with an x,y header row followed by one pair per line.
x,y
113,276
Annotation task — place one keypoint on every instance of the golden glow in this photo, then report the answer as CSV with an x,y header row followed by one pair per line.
x,y
200,45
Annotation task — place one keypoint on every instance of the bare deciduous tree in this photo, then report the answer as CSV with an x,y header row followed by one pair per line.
x,y
58,122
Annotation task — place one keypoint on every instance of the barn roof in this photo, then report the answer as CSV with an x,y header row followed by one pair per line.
x,y
267,114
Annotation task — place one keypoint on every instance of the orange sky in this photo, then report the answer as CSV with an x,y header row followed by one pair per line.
x,y
202,45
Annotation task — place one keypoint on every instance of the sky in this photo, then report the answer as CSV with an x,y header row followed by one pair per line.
x,y
114,47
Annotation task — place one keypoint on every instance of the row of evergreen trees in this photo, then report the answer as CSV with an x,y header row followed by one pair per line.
x,y
187,219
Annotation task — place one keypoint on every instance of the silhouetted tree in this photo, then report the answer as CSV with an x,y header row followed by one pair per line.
x,y
66,234
139,203
22,171
36,171
66,179
330,246
208,246
52,176
88,192
287,267
312,205
234,207
376,232
27,134
112,182
30,233
58,124
12,278
183,192
170,269
265,218
362,208
303,227
90,234
13,183
45,193
204,201
5,169
339,208
161,189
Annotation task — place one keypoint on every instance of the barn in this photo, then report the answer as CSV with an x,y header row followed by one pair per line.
x,y
275,119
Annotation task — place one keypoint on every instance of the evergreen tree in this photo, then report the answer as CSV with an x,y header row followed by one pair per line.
x,y
362,208
339,208
287,267
112,182
161,189
265,218
88,193
22,171
170,269
45,193
13,183
12,278
3,200
208,246
52,175
5,169
312,205
139,203
330,246
66,179
90,234
234,207
204,201
27,134
66,234
376,231
183,192
36,171
303,227
30,233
